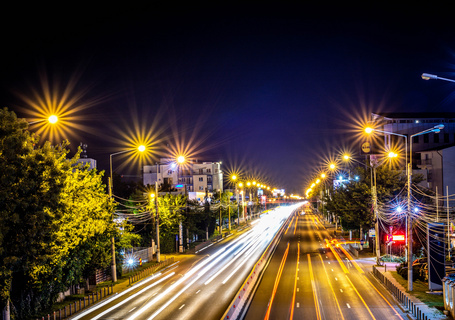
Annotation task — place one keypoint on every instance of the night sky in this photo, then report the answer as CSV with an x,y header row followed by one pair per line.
x,y
270,90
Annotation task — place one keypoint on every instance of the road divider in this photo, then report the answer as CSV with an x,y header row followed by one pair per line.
x,y
240,302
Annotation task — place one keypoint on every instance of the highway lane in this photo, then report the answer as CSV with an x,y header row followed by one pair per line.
x,y
306,279
197,288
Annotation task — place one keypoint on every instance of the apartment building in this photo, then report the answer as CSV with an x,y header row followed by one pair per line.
x,y
192,176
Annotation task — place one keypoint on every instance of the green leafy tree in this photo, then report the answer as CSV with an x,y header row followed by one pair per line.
x,y
55,219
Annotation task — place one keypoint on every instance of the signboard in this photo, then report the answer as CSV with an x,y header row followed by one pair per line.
x,y
398,237
371,233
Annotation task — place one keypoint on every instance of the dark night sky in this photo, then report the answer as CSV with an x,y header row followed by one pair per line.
x,y
273,90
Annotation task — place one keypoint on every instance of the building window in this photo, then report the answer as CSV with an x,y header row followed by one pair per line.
x,y
201,188
436,138
446,138
426,139
201,179
209,170
416,139
169,172
201,171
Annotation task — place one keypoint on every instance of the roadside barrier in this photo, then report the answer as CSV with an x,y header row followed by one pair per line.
x,y
77,306
148,271
448,290
401,297
240,300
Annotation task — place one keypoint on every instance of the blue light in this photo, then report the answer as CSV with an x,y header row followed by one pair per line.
x,y
179,186
416,209
357,178
341,178
399,209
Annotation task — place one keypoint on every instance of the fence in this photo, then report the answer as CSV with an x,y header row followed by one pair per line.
x,y
77,306
448,289
148,271
401,296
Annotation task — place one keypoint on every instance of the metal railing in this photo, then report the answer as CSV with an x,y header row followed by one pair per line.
x,y
401,296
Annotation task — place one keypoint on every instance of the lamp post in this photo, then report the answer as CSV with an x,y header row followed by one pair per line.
x,y
435,129
181,160
141,148
238,204
370,130
428,76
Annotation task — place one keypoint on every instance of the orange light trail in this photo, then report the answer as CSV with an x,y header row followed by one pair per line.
x,y
351,259
295,282
331,288
296,220
337,256
315,294
364,303
289,225
277,281
396,312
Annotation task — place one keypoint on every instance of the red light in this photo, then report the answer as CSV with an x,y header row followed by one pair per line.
x,y
398,237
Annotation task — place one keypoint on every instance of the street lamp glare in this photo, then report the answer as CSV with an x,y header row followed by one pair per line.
x,y
392,154
332,166
322,175
141,148
369,130
52,119
234,177
180,159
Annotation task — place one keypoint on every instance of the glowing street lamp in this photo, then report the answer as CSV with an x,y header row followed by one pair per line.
x,y
52,119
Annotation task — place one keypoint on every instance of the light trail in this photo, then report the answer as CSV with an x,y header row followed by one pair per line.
x,y
396,312
101,304
352,260
133,296
364,303
275,221
296,220
313,285
337,256
277,281
331,288
295,282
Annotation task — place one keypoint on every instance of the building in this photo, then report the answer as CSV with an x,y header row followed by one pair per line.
x,y
84,159
192,176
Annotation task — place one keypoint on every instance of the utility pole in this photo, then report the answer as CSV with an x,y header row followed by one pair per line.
x,y
113,266
157,216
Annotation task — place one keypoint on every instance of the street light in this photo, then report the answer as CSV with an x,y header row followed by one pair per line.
x,y
141,148
428,76
435,129
52,119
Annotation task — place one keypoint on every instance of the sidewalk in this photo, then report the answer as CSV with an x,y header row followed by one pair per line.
x,y
367,265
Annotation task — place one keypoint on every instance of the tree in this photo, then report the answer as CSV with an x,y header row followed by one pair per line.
x,y
55,218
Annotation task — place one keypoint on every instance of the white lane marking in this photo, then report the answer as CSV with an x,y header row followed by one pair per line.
x,y
181,306
341,290
298,289
336,278
348,305
132,309
298,305
198,291
332,270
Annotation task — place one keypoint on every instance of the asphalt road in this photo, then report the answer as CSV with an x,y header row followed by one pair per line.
x,y
199,287
305,279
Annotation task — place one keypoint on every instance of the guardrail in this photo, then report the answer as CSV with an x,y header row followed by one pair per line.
x,y
148,271
401,297
240,300
448,290
79,305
